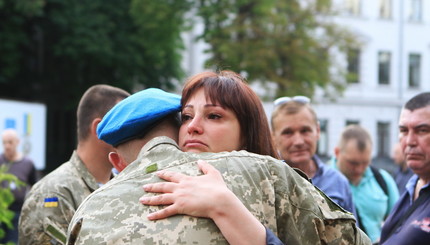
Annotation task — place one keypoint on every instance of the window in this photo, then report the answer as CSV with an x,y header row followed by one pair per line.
x,y
416,10
353,65
350,122
383,139
323,149
353,7
385,9
414,70
384,61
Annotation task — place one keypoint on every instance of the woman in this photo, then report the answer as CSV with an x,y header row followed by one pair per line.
x,y
220,112
215,97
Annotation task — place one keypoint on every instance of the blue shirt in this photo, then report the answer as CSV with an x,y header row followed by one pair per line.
x,y
372,204
416,228
334,184
271,239
402,177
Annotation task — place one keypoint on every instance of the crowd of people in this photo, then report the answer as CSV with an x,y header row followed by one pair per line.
x,y
209,167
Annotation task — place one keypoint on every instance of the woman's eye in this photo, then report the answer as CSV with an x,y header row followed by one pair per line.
x,y
185,117
214,116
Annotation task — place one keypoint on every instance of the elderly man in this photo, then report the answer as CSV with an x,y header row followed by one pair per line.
x,y
295,131
409,222
23,168
143,127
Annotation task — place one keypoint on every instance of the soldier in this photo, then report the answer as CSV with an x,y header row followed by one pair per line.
x,y
51,203
142,129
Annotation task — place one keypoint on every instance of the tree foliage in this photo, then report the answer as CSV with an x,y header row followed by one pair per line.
x,y
51,51
6,198
287,42
56,49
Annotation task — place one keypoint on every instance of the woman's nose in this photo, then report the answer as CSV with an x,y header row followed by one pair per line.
x,y
195,126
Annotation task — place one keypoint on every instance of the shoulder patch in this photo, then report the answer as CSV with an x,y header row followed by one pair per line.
x,y
151,168
51,202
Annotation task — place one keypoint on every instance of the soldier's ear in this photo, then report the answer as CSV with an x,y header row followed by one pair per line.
x,y
94,125
117,161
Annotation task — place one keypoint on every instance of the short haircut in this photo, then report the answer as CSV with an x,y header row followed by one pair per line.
x,y
290,108
357,133
231,91
95,103
418,101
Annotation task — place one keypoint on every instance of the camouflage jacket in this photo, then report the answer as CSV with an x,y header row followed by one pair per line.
x,y
51,203
281,199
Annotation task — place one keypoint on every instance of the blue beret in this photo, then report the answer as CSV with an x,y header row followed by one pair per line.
x,y
137,114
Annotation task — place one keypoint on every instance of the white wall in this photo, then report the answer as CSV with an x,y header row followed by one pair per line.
x,y
29,119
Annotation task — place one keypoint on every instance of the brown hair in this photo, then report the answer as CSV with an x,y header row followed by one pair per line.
x,y
95,103
231,91
357,133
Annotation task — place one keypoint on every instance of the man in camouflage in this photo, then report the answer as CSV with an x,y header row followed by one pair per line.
x,y
51,203
280,198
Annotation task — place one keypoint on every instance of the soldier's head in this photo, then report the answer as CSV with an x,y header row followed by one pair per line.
x,y
94,104
354,152
130,124
295,130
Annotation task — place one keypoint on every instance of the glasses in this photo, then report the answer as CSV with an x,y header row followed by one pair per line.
x,y
299,98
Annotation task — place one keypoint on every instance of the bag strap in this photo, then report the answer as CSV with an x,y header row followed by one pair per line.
x,y
422,198
380,179
360,223
381,182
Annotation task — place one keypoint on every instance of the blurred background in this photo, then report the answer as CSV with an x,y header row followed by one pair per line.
x,y
358,60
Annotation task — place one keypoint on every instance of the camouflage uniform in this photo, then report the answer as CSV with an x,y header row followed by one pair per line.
x,y
280,198
51,203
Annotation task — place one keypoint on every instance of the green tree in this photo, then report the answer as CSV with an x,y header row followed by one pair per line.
x,y
6,198
51,51
287,42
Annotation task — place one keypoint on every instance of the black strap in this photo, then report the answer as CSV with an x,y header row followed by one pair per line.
x,y
360,223
422,198
379,179
381,182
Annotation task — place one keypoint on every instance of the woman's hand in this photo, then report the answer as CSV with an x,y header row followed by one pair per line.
x,y
199,196
205,196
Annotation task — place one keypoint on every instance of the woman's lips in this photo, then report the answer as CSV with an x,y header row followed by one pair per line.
x,y
194,143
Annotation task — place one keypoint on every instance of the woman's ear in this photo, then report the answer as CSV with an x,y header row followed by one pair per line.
x,y
117,161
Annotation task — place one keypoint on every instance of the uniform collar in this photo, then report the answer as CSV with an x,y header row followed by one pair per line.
x,y
86,177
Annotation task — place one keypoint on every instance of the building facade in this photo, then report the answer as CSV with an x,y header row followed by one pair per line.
x,y
390,67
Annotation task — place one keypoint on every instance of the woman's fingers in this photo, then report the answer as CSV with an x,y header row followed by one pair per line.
x,y
163,213
163,199
164,187
171,176
210,170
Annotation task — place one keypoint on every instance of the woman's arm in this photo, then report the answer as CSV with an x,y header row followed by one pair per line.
x,y
206,196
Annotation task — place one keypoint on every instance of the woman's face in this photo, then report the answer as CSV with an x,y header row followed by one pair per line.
x,y
208,127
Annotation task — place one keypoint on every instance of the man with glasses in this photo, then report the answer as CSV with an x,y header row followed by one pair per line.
x,y
295,131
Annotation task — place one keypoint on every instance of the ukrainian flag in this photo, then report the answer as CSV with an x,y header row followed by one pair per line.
x,y
51,202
